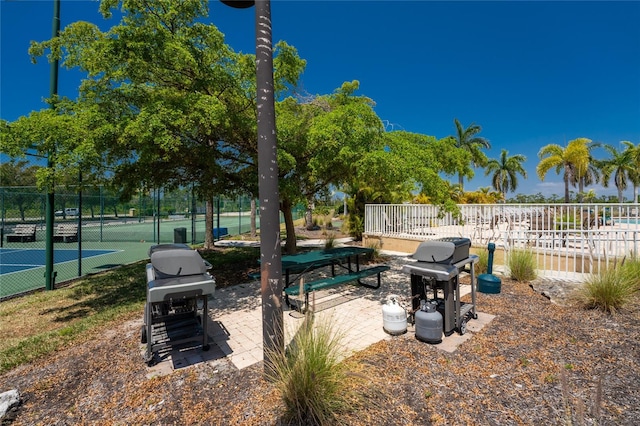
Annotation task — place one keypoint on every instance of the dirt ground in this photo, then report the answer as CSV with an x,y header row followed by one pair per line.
x,y
536,363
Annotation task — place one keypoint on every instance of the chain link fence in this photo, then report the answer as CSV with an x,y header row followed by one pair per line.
x,y
95,230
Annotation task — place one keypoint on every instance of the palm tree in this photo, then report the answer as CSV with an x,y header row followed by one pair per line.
x,y
468,140
585,175
633,152
620,166
455,192
571,160
505,171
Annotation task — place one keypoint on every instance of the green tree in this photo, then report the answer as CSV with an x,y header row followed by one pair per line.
x,y
166,102
404,164
586,173
320,141
17,179
620,166
633,153
567,160
323,142
505,172
469,140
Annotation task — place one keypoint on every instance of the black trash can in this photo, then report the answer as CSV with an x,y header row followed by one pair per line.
x,y
180,235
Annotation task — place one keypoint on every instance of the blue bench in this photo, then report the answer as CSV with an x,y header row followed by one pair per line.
x,y
220,232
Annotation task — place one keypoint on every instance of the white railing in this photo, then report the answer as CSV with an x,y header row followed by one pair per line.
x,y
568,239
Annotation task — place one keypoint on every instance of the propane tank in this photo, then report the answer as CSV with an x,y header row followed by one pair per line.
x,y
428,322
394,317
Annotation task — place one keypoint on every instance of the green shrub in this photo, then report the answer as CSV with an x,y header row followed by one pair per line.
x,y
309,376
611,289
522,265
355,227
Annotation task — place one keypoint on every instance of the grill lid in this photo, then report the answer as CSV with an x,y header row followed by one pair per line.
x,y
445,250
434,251
173,263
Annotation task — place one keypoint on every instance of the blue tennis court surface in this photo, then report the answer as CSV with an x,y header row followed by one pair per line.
x,y
16,260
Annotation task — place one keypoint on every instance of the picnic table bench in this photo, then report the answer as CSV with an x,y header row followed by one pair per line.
x,y
296,266
22,233
66,233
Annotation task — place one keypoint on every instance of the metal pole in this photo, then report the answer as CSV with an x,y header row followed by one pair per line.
x,y
2,225
80,222
101,211
271,284
193,215
49,275
270,253
158,214
217,219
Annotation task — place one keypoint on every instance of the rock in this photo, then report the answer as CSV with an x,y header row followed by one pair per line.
x,y
8,401
557,291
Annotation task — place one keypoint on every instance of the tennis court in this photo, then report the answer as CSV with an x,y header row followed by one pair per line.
x,y
15,259
105,244
22,269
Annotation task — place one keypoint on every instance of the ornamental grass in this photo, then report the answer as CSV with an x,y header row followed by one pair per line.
x,y
522,265
612,288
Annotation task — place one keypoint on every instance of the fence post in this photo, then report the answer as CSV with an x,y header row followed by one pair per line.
x,y
2,219
80,222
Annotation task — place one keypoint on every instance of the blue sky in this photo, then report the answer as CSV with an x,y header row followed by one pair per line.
x,y
529,73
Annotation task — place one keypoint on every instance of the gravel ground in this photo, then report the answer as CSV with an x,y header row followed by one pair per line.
x,y
537,363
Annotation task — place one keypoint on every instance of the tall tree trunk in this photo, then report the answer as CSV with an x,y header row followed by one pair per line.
x,y
581,190
208,223
635,194
567,174
254,228
461,181
308,218
620,196
290,244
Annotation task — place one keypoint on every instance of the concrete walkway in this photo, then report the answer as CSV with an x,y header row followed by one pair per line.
x,y
235,320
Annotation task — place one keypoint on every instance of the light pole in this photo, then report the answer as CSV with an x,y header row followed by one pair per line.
x,y
49,275
270,252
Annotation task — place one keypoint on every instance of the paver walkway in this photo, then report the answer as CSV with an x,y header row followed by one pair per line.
x,y
235,326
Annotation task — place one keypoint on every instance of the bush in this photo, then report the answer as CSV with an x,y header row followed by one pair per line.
x,y
309,376
355,226
611,289
522,265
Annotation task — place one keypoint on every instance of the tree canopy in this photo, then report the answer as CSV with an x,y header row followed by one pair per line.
x,y
572,161
468,139
505,172
166,103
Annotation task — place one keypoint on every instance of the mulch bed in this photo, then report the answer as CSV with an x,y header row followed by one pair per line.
x,y
536,363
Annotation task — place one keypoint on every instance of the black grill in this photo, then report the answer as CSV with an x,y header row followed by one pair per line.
x,y
436,271
178,287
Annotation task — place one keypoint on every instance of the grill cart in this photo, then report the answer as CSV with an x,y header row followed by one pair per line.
x,y
437,269
178,288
